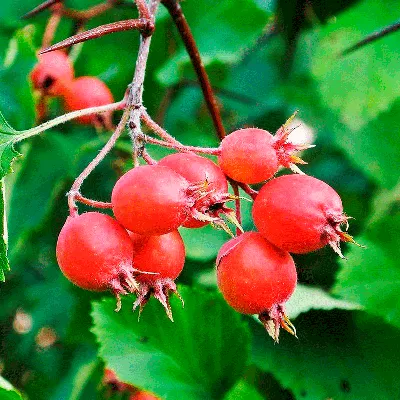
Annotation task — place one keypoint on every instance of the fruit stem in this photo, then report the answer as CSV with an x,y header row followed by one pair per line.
x,y
75,189
51,28
248,190
235,188
162,133
148,158
92,203
185,32
179,147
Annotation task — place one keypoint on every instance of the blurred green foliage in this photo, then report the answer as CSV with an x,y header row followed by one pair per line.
x,y
56,339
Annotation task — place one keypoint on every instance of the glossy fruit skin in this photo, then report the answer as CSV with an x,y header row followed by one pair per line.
x,y
196,169
163,254
254,275
93,249
296,212
248,156
53,73
150,200
85,92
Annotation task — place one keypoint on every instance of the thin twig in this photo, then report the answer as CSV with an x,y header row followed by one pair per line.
x,y
51,28
148,158
180,147
179,19
75,189
372,38
235,188
162,133
145,26
92,203
135,98
41,7
247,189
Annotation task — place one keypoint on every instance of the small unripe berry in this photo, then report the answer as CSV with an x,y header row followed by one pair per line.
x,y
53,73
86,92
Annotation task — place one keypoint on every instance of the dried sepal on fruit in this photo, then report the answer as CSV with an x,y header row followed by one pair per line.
x,y
209,189
157,262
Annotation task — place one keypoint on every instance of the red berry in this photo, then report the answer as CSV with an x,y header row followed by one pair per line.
x,y
247,155
208,177
111,379
95,253
150,200
85,92
300,214
53,73
161,259
255,277
142,395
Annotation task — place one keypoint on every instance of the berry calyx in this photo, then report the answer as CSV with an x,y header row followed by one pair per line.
x,y
158,261
150,200
53,73
285,148
300,214
211,185
95,253
85,92
247,155
255,277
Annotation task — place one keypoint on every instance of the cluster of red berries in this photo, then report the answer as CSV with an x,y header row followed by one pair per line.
x,y
141,251
114,385
53,76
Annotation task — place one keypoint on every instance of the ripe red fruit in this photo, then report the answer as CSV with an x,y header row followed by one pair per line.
x,y
85,92
248,156
158,261
95,253
255,277
150,200
253,155
300,214
205,175
53,73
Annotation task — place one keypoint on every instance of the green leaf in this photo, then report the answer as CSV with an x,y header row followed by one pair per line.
x,y
199,356
339,355
7,391
239,24
371,276
361,85
243,391
307,298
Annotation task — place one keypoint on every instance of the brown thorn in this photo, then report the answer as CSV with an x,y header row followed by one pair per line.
x,y
145,26
41,7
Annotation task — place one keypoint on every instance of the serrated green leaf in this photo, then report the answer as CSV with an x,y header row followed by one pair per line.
x,y
361,85
199,356
371,276
339,355
307,298
7,391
